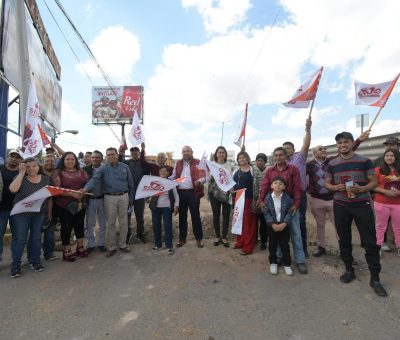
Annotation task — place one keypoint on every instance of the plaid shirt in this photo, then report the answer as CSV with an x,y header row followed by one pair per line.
x,y
291,175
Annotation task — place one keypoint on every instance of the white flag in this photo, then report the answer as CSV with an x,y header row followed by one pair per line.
x,y
203,168
222,176
34,202
136,135
237,218
241,134
306,92
374,94
154,185
34,144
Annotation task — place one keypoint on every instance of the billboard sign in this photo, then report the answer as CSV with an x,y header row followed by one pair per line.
x,y
116,104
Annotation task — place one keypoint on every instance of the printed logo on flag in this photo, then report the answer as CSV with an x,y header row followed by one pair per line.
x,y
154,186
369,92
223,178
136,133
236,214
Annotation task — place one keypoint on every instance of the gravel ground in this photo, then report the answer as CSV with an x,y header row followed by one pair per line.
x,y
209,293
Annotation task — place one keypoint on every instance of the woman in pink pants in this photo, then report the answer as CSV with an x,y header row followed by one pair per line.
x,y
387,198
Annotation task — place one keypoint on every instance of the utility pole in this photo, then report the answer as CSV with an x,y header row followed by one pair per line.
x,y
222,130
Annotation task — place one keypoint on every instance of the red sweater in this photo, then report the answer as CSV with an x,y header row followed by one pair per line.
x,y
293,183
387,182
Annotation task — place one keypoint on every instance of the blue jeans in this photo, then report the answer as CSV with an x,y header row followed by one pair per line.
x,y
49,240
303,212
4,216
21,226
166,215
295,236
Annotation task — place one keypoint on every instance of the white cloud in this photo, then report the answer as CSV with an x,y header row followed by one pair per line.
x,y
220,15
117,50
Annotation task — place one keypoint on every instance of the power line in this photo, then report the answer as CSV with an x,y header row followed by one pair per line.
x,y
259,52
68,43
103,73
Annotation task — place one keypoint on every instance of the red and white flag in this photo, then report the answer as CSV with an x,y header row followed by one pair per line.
x,y
241,134
32,142
45,139
154,185
306,92
202,168
222,176
136,135
34,202
374,94
238,212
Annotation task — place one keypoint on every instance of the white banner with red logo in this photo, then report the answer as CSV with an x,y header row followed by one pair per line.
x,y
34,144
374,94
241,134
154,185
223,177
34,202
306,92
136,135
238,212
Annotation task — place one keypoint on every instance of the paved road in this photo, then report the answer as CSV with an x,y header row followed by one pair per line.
x,y
209,293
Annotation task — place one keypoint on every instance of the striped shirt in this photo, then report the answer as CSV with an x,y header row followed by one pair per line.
x,y
357,168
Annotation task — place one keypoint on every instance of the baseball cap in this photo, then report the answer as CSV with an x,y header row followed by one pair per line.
x,y
262,156
15,151
392,140
134,148
345,135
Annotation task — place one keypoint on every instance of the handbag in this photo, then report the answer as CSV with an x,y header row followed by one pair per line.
x,y
153,202
220,195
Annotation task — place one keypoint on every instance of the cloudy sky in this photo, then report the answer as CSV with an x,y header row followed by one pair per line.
x,y
200,61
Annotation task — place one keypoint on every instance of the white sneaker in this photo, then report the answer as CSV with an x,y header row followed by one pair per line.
x,y
273,268
288,271
385,247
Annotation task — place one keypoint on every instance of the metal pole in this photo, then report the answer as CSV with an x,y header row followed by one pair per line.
x,y
222,132
362,123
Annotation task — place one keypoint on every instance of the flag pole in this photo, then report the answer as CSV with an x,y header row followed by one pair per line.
x,y
245,126
312,106
375,118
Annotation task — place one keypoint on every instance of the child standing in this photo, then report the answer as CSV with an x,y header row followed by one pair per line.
x,y
162,207
277,216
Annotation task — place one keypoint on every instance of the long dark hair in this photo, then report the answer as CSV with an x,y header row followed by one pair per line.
x,y
385,169
215,153
62,165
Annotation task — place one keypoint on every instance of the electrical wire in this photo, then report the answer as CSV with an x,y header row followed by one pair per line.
x,y
68,43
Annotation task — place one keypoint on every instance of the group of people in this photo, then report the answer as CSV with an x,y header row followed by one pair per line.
x,y
274,210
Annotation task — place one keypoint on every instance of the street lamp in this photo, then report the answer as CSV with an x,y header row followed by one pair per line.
x,y
222,132
74,132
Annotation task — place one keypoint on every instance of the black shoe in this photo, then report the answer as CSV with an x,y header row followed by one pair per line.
x,y
111,253
15,272
102,249
378,288
199,244
37,267
90,249
263,246
302,268
319,252
217,243
181,243
142,239
348,276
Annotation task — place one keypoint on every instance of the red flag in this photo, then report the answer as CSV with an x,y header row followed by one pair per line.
x,y
306,92
45,139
